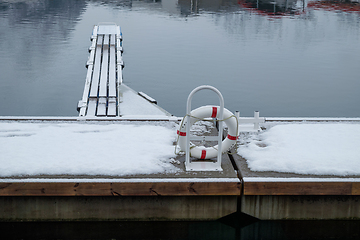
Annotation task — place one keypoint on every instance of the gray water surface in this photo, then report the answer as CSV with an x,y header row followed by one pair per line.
x,y
282,58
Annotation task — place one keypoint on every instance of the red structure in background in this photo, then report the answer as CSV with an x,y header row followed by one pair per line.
x,y
279,8
346,6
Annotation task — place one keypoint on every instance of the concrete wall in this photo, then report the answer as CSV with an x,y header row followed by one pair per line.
x,y
301,207
116,208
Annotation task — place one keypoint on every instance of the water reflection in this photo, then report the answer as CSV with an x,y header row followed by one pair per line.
x,y
195,7
47,12
274,8
341,5
117,4
32,36
188,8
304,64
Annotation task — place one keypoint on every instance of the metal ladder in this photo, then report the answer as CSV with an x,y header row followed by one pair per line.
x,y
203,165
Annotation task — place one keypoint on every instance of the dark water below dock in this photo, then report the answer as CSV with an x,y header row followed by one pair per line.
x,y
184,230
282,58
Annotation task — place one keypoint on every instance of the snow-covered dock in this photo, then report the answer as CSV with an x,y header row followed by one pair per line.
x,y
104,73
301,169
57,159
87,160
105,94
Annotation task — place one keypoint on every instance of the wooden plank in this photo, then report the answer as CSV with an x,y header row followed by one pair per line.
x,y
355,188
82,106
97,65
112,73
178,189
93,43
104,68
111,107
91,58
119,74
119,46
106,40
88,82
101,109
112,39
121,189
94,32
84,99
118,32
91,109
54,189
297,188
107,28
119,59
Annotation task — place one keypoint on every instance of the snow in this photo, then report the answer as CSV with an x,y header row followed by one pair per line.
x,y
121,180
34,148
318,149
296,179
132,148
132,104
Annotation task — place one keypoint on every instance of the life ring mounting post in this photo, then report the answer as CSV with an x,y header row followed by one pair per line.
x,y
204,165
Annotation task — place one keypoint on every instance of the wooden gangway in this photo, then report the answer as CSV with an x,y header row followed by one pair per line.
x,y
104,74
105,95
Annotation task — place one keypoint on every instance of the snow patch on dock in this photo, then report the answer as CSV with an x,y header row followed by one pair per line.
x,y
114,149
318,149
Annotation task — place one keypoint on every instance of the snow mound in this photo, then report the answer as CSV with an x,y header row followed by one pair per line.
x,y
319,149
85,149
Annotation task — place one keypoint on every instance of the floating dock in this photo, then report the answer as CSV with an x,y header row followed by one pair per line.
x,y
108,194
150,197
173,196
105,94
182,195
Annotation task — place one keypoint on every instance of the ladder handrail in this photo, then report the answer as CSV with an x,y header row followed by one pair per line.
x,y
188,110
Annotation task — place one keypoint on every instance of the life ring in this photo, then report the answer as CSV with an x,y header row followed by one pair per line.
x,y
203,112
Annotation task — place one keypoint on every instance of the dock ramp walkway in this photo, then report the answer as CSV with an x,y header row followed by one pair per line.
x,y
104,94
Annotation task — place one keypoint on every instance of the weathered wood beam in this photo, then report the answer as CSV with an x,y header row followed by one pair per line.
x,y
120,189
301,188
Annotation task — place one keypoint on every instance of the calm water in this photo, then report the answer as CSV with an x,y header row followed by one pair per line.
x,y
282,58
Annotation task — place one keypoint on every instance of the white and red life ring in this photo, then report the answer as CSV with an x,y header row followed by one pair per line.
x,y
200,113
